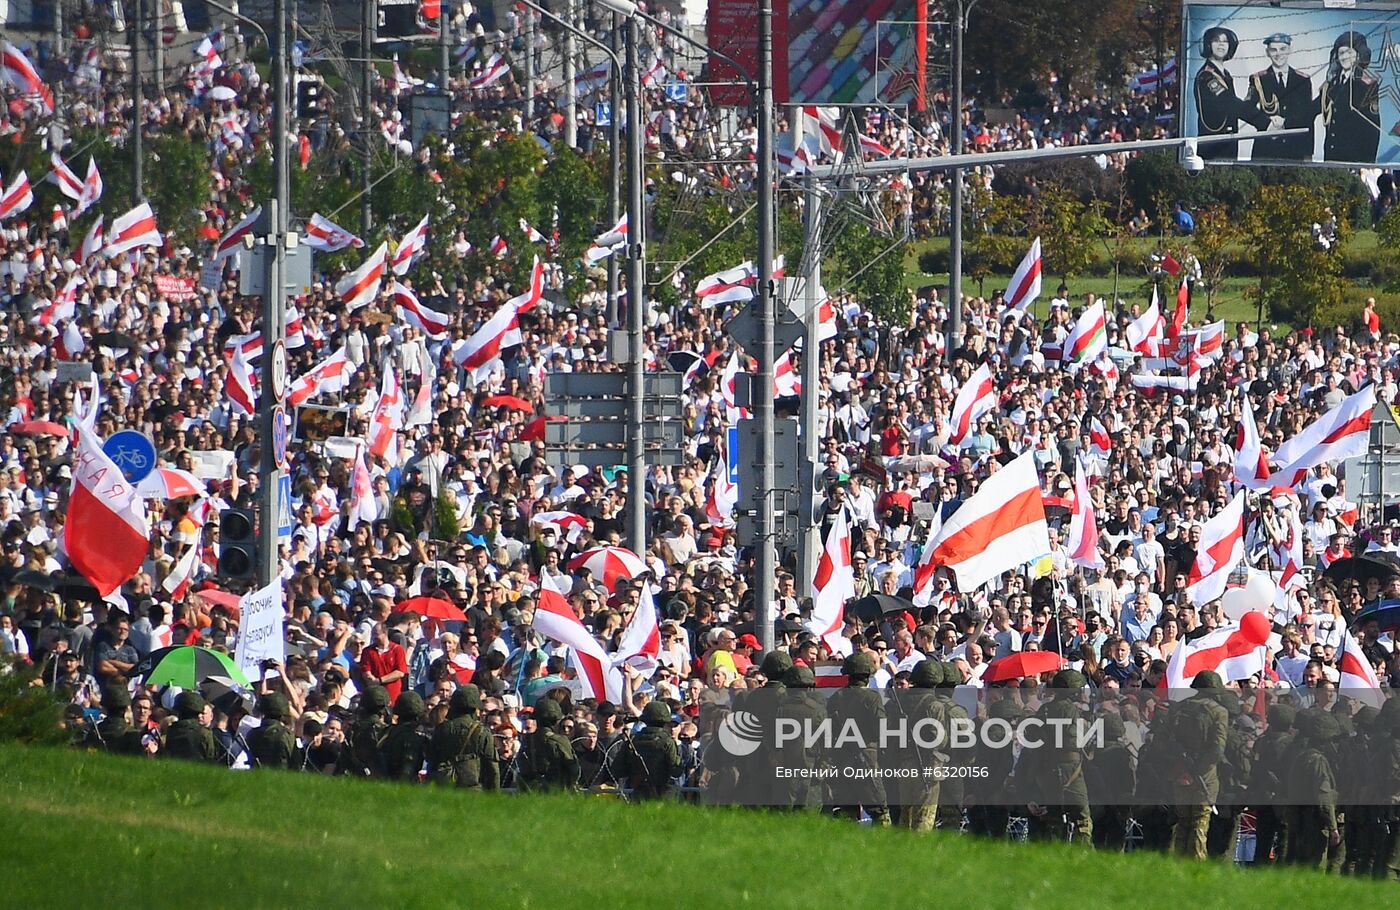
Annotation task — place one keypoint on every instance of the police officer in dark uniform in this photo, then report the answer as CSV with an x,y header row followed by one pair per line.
x,y
1218,109
757,785
1270,765
950,792
1279,90
114,733
189,737
650,760
915,799
1314,828
461,751
1386,772
272,744
360,756
807,708
546,760
1111,770
404,744
861,706
1349,103
988,813
1051,778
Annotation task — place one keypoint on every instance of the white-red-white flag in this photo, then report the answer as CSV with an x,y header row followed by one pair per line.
x,y
240,386
976,398
136,229
1082,541
327,236
361,286
1220,551
501,331
555,618
330,375
362,507
833,583
926,569
93,242
23,77
498,247
182,575
63,177
1100,442
724,491
1357,678
607,243
18,196
1000,527
1145,333
1025,283
732,285
530,233
529,298
1235,652
641,640
387,418
426,320
92,189
1251,462
495,69
106,535
1343,432
410,248
230,242
820,124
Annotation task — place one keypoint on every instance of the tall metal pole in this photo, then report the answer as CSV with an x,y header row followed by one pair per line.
x,y
614,168
636,223
158,47
274,302
955,234
810,546
444,45
529,66
766,561
366,128
137,114
570,89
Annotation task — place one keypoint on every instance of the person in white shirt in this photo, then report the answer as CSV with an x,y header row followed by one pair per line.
x,y
861,501
1291,662
905,654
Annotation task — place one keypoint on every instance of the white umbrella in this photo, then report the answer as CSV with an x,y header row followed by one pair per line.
x,y
221,93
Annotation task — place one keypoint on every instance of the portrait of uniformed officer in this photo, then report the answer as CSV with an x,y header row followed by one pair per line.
x,y
1218,109
1350,102
1285,96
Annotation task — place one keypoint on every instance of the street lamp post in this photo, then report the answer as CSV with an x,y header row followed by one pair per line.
x,y
956,190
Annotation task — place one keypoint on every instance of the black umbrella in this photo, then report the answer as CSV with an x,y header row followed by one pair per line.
x,y
780,626
32,578
225,694
116,340
1361,568
872,607
1386,613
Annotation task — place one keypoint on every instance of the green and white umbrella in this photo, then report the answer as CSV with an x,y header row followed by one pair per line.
x,y
187,666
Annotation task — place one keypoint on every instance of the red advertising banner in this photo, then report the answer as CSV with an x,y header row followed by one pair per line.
x,y
732,28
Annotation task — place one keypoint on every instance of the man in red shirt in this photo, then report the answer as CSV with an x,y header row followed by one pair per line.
x,y
384,663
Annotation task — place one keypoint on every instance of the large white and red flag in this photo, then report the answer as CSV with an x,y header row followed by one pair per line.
x,y
976,398
501,331
362,507
231,241
1082,540
1025,283
93,242
833,583
495,69
641,640
926,569
1145,333
1000,527
1100,442
1220,551
529,298
607,243
17,197
820,124
387,418
426,320
1357,678
63,177
555,618
23,77
410,248
1251,463
724,492
330,375
239,385
106,535
137,228
327,236
92,189
1236,651
361,286
1343,432
732,285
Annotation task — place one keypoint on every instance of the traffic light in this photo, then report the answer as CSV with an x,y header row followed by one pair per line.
x,y
238,543
309,101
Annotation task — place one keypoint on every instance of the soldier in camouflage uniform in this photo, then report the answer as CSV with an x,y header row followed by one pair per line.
x,y
988,814
1111,770
546,760
914,802
405,746
115,733
651,760
1051,778
361,756
188,737
806,707
1234,773
1199,729
461,751
862,706
1270,764
950,793
1314,831
1364,831
1385,771
756,779
272,744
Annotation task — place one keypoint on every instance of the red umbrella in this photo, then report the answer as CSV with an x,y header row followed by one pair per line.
x,y
432,608
170,483
40,428
1024,663
609,563
534,430
514,402
215,597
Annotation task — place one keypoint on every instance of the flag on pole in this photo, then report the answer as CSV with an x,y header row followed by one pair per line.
x,y
1000,527
135,229
17,197
361,286
230,242
1025,283
106,536
833,583
1082,541
1220,551
428,321
412,246
976,398
326,236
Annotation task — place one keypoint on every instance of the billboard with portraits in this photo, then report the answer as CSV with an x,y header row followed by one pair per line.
x,y
1251,69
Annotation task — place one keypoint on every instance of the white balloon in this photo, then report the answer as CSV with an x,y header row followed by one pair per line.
x,y
1235,603
1260,590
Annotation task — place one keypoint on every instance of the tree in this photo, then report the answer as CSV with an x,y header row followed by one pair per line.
x,y
1068,229
1216,233
1297,276
998,237
175,177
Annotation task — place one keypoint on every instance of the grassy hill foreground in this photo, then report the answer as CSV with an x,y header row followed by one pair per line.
x,y
86,830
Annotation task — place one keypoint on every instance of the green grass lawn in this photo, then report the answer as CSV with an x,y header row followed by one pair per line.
x,y
90,830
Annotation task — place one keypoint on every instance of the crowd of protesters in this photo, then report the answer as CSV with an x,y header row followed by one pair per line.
x,y
885,394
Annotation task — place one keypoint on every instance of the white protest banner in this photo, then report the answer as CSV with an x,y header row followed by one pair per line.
x,y
259,628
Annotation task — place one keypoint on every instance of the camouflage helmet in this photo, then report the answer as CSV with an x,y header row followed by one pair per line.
x,y
115,698
409,705
1071,680
274,705
1114,730
656,714
860,665
1281,715
466,698
1207,679
548,713
1366,718
800,678
927,674
1005,709
1389,719
374,698
776,664
952,675
1318,726
188,705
